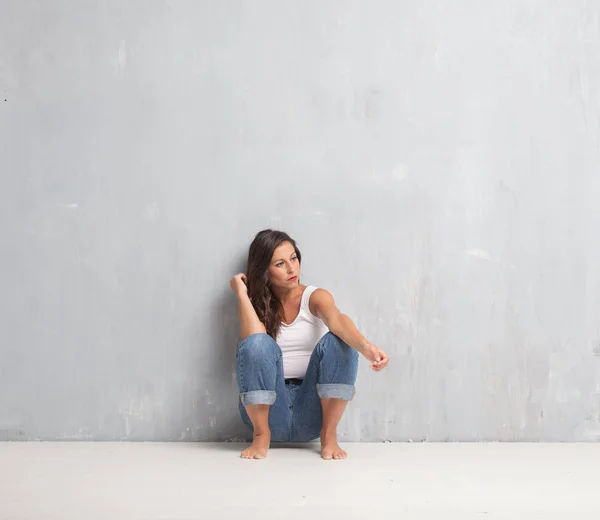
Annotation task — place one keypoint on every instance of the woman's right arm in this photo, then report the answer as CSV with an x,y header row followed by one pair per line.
x,y
249,322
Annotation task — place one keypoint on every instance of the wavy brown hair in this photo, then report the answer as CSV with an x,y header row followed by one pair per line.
x,y
265,302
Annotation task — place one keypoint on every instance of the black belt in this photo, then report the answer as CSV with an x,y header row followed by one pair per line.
x,y
293,381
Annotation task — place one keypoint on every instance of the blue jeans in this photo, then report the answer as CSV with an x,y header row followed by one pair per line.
x,y
295,414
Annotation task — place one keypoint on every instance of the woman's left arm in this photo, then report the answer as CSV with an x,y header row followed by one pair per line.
x,y
322,304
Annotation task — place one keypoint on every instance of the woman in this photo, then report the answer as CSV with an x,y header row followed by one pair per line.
x,y
298,358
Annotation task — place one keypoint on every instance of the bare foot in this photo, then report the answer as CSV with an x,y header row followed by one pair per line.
x,y
330,448
258,448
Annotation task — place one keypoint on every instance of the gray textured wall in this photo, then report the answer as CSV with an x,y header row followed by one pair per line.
x,y
438,162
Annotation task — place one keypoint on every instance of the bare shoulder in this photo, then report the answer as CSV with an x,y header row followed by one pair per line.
x,y
320,299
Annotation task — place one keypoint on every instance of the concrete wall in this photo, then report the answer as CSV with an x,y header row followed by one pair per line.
x,y
438,163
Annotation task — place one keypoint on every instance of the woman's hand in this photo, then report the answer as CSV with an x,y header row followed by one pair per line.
x,y
238,284
378,358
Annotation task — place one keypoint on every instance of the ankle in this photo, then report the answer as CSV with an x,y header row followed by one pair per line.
x,y
329,433
262,433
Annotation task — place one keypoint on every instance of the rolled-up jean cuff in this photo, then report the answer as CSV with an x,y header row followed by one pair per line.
x,y
336,391
258,397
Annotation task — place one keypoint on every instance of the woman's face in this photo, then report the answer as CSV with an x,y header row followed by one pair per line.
x,y
284,269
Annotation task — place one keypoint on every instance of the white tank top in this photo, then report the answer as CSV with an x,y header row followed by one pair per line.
x,y
298,339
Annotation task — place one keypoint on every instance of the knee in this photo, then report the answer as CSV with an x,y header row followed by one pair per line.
x,y
258,347
333,345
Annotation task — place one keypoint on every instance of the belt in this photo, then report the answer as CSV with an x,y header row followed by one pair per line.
x,y
293,381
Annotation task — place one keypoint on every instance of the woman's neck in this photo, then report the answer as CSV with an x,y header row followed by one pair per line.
x,y
285,296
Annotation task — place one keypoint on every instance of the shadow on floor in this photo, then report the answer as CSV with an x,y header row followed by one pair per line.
x,y
239,446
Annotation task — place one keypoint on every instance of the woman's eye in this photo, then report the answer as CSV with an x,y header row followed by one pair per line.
x,y
294,258
279,264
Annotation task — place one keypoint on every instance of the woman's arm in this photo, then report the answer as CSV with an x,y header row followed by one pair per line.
x,y
249,322
322,304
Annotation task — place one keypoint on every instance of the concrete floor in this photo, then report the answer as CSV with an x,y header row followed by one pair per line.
x,y
173,481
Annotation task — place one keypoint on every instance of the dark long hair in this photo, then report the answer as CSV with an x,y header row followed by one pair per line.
x,y
265,302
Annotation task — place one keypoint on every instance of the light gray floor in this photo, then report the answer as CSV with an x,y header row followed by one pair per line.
x,y
172,481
